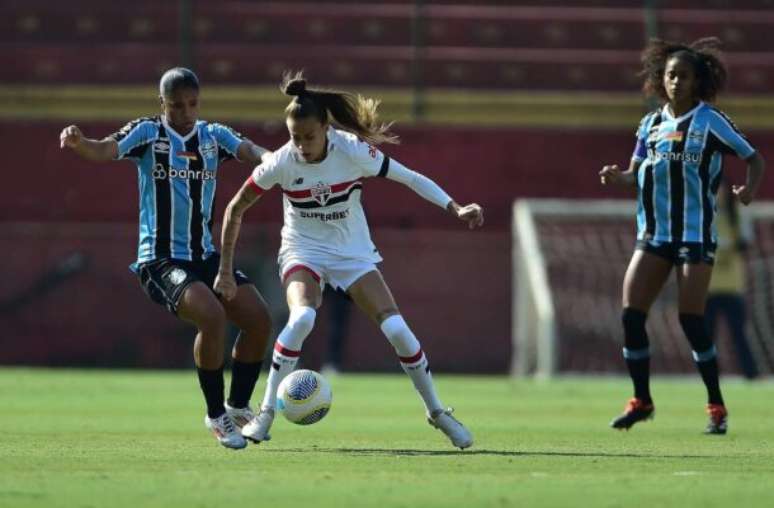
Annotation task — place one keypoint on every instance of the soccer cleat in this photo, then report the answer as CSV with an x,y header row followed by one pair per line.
x,y
225,431
257,429
456,432
635,411
718,419
240,415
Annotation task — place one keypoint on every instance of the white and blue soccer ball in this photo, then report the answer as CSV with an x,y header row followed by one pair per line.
x,y
304,397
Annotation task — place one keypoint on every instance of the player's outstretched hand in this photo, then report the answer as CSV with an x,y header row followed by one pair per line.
x,y
473,214
742,193
610,174
225,286
70,137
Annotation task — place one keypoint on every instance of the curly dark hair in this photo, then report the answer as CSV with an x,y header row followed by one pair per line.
x,y
703,55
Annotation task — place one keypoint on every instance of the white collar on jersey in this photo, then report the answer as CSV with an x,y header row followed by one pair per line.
x,y
177,134
669,116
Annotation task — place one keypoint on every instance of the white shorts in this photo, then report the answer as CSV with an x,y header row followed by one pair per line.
x,y
337,272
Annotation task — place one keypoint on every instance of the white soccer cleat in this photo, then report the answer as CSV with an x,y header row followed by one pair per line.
x,y
241,416
449,425
257,429
225,431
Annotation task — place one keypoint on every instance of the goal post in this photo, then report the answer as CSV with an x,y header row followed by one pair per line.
x,y
569,257
533,324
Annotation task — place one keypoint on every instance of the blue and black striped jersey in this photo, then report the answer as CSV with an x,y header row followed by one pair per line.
x,y
680,166
177,176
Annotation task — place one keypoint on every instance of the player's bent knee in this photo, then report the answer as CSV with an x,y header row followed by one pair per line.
x,y
400,335
300,324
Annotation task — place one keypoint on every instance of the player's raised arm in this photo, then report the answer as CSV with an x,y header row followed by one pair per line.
x,y
91,149
225,284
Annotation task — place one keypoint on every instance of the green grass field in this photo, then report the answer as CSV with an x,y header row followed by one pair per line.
x,y
123,438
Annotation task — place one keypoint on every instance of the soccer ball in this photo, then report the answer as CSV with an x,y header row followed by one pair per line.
x,y
304,397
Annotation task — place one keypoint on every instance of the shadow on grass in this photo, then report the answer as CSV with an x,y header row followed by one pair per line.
x,y
496,453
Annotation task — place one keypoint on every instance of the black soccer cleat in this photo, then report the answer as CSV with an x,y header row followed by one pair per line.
x,y
635,411
718,419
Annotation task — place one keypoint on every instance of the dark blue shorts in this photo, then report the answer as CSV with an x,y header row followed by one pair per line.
x,y
680,253
164,280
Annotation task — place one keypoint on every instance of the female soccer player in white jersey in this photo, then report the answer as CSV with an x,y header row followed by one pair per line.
x,y
677,168
325,238
177,157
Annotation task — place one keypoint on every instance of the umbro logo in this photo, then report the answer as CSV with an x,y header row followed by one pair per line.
x,y
161,147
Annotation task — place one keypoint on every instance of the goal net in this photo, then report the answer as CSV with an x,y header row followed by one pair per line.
x,y
569,260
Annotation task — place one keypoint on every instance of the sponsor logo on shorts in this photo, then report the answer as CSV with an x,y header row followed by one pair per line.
x,y
176,276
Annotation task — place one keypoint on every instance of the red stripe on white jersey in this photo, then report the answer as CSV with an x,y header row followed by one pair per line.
x,y
307,193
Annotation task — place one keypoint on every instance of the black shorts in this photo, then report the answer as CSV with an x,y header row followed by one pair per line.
x,y
164,280
680,253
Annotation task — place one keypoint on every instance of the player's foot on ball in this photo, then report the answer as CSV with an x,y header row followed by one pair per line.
x,y
257,429
241,416
635,411
225,431
718,419
443,420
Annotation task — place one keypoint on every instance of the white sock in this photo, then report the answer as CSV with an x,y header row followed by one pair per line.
x,y
412,359
287,350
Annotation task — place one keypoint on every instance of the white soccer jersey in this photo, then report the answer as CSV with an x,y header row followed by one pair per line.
x,y
322,209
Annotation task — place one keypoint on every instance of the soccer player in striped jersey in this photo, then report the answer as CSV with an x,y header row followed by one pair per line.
x,y
177,158
325,238
677,167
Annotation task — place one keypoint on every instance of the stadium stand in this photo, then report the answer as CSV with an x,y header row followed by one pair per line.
x,y
564,46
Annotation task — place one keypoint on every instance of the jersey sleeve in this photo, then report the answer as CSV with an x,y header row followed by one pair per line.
x,y
265,175
640,147
731,138
228,141
368,158
134,138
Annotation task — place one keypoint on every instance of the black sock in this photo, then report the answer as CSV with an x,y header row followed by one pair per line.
x,y
704,354
639,370
243,378
211,382
710,374
636,351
